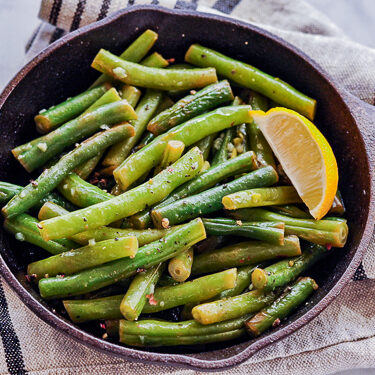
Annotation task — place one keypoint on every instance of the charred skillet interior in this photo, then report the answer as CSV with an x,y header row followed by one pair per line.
x,y
63,70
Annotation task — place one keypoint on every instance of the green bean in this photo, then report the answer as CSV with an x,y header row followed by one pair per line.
x,y
85,169
172,153
163,298
294,296
157,328
10,190
155,60
210,200
110,96
273,234
179,267
135,52
232,307
145,111
80,311
99,234
205,145
290,210
174,242
285,271
150,341
261,197
194,291
257,141
81,193
244,253
142,286
252,78
191,106
259,214
205,180
242,282
221,154
153,78
338,207
167,280
127,203
51,177
131,94
92,255
320,237
189,132
50,119
24,227
52,144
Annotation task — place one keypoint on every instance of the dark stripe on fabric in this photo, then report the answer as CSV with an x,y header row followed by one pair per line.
x,y
360,274
11,343
189,5
104,9
226,6
57,34
78,15
32,39
55,10
130,2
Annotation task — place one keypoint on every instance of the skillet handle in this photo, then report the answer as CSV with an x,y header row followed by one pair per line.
x,y
364,115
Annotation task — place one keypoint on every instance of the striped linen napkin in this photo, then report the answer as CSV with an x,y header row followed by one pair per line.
x,y
342,337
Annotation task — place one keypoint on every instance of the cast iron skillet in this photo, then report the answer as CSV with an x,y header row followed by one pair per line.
x,y
63,70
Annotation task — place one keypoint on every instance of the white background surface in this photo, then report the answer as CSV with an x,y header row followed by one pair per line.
x,y
18,19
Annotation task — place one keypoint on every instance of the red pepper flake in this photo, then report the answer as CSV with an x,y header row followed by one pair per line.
x,y
170,170
140,270
329,246
171,60
62,275
39,226
233,71
151,299
242,260
103,326
276,323
103,181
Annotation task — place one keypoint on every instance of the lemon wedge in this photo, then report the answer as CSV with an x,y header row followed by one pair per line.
x,y
304,154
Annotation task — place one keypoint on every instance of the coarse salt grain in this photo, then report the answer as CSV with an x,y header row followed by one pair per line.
x,y
119,72
42,146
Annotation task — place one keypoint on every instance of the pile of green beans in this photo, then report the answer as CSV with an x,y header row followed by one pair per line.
x,y
123,214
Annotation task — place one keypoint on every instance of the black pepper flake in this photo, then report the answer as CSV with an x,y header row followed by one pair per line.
x,y
225,186
187,175
193,167
147,107
116,238
175,242
34,183
158,250
233,71
84,219
203,56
